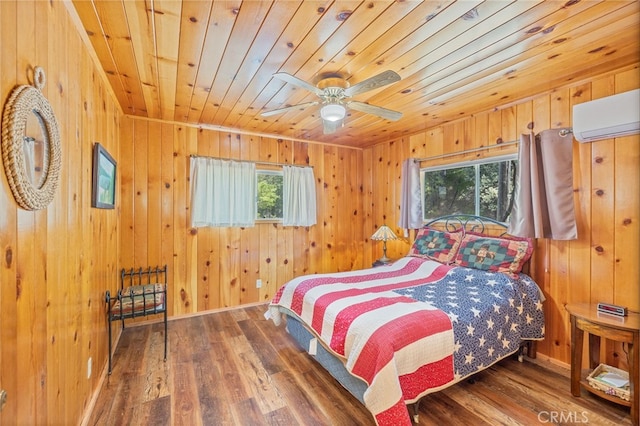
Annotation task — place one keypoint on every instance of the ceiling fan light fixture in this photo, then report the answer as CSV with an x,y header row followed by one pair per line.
x,y
333,112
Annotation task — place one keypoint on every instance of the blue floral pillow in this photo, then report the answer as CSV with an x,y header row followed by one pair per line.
x,y
436,245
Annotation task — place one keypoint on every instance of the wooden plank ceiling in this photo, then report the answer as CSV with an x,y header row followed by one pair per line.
x,y
212,63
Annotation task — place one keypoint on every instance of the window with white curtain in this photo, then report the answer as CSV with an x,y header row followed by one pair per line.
x,y
223,193
234,193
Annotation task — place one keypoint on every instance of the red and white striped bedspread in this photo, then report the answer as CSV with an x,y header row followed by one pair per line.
x,y
399,346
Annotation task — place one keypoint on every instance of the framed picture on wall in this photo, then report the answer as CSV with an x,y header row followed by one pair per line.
x,y
103,195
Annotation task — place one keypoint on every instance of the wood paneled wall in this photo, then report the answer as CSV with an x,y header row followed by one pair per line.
x,y
602,264
55,263
359,191
218,267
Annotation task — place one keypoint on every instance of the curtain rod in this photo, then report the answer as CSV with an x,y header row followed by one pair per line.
x,y
562,132
262,163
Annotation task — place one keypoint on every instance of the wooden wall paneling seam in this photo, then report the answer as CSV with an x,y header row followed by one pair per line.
x,y
250,243
154,196
378,186
225,240
367,206
338,227
284,271
55,213
67,201
140,147
126,170
398,247
316,242
582,172
326,249
166,236
355,216
191,254
481,134
26,252
602,206
267,256
182,299
204,239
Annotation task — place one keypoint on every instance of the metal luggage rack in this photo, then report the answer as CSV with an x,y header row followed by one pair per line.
x,y
142,292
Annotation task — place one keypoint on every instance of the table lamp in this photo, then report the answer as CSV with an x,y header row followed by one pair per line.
x,y
383,234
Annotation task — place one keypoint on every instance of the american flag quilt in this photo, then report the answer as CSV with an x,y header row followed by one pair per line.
x,y
406,329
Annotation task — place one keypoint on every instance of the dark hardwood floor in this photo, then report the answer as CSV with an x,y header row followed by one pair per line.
x,y
236,368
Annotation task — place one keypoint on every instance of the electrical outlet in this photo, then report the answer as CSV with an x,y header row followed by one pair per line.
x,y
258,283
89,368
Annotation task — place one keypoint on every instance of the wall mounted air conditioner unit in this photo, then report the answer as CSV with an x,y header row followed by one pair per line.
x,y
609,117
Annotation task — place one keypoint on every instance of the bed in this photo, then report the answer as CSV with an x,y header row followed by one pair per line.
x,y
457,303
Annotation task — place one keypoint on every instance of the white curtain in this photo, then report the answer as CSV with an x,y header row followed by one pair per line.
x,y
299,196
410,197
223,193
543,206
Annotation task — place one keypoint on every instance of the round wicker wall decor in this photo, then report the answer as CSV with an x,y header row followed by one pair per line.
x,y
24,103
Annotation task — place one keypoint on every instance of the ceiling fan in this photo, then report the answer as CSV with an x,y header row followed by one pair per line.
x,y
335,93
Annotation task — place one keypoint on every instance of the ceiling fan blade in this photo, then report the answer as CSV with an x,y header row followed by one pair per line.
x,y
330,127
375,110
297,82
289,108
382,79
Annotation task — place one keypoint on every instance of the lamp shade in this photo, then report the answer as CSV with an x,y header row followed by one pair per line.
x,y
333,112
384,233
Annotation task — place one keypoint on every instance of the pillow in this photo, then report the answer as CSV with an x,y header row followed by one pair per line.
x,y
496,254
436,245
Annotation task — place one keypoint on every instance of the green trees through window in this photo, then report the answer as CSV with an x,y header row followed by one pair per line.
x,y
269,203
485,188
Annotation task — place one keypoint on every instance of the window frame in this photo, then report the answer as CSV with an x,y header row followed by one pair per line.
x,y
461,164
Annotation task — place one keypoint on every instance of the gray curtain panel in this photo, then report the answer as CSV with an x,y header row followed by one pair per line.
x,y
410,197
543,206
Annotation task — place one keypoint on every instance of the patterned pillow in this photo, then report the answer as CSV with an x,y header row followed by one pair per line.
x,y
495,254
436,245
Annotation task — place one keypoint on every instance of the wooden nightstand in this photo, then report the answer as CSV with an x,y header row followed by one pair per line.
x,y
585,317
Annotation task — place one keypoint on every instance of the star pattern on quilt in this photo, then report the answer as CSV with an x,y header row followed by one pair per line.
x,y
491,314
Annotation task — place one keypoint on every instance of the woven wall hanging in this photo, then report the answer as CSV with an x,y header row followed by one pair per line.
x,y
33,178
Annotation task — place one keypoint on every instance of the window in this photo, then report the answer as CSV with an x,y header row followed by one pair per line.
x,y
269,202
484,187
